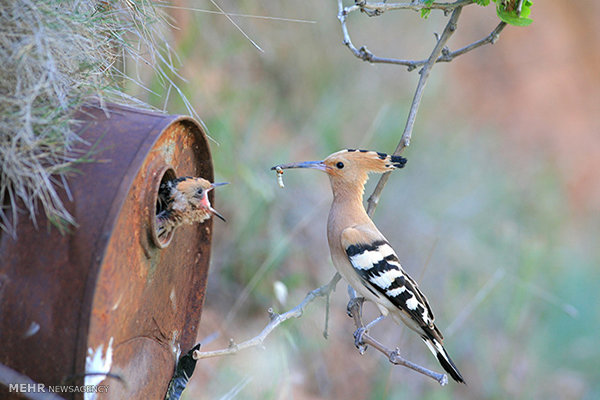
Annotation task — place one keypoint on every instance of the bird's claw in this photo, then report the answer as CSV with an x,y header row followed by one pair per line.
x,y
358,339
355,302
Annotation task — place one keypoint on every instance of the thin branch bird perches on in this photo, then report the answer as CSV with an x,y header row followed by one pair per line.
x,y
362,339
275,321
354,311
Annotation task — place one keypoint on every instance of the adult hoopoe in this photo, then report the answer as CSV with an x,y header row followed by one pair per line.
x,y
184,201
363,256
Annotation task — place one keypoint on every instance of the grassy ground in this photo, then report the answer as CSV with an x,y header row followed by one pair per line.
x,y
486,216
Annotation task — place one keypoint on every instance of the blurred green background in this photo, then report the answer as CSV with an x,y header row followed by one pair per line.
x,y
496,214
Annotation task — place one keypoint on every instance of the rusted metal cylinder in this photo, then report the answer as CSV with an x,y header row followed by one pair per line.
x,y
108,291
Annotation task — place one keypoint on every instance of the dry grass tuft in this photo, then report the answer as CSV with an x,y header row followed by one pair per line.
x,y
55,55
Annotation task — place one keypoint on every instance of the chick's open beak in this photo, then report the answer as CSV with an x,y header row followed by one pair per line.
x,y
216,213
212,210
217,184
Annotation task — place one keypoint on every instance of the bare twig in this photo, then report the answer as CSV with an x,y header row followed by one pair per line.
x,y
335,279
448,56
362,339
381,7
378,8
363,53
276,320
439,47
405,139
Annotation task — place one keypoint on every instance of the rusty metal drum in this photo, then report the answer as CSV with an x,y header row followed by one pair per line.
x,y
108,295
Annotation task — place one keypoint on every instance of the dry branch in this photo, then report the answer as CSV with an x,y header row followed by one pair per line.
x,y
375,9
381,7
275,321
56,56
412,114
362,337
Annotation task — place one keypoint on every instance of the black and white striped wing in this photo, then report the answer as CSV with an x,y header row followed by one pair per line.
x,y
377,264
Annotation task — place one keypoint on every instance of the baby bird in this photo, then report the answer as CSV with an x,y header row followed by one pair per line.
x,y
184,201
364,257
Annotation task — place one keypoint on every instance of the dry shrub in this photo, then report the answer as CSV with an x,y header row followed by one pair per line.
x,y
56,55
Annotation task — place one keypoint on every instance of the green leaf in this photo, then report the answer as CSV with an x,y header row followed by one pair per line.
x,y
507,12
482,2
426,11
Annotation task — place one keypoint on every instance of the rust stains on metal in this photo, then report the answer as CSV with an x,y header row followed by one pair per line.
x,y
110,278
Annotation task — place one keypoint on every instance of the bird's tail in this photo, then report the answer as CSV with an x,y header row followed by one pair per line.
x,y
445,361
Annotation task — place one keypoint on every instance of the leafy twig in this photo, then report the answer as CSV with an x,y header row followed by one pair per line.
x,y
276,320
440,53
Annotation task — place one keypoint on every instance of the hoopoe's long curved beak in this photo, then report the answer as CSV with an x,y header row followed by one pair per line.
x,y
212,210
320,165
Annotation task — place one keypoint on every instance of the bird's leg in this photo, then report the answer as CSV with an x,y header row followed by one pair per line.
x,y
375,321
354,309
361,331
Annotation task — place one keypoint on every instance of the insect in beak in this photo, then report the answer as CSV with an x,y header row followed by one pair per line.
x,y
320,165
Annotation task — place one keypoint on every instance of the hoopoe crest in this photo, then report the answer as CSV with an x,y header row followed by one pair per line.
x,y
363,256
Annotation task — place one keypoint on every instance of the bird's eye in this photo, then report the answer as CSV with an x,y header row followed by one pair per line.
x,y
199,192
340,165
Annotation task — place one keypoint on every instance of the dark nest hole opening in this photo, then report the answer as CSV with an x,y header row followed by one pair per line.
x,y
160,206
